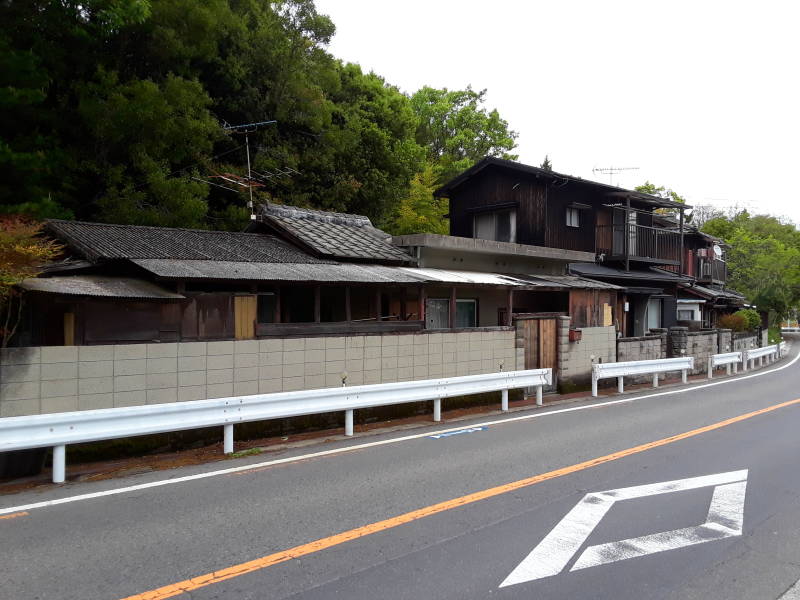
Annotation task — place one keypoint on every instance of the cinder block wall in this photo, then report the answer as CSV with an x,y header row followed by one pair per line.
x,y
744,342
575,359
67,378
700,345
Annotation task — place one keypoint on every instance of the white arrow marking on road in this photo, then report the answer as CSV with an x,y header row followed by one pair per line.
x,y
550,557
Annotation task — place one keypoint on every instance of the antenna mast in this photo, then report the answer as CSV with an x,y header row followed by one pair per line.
x,y
246,129
611,171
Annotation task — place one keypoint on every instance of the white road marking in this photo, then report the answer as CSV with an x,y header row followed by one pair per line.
x,y
553,553
439,436
537,415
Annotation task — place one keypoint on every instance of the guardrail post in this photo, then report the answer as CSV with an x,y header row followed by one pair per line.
x,y
728,368
59,463
227,439
437,409
744,360
710,367
348,422
620,385
538,395
594,384
504,400
684,376
655,380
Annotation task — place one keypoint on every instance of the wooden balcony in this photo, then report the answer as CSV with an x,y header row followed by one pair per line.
x,y
638,243
711,270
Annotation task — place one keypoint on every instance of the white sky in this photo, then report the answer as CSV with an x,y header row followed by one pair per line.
x,y
702,97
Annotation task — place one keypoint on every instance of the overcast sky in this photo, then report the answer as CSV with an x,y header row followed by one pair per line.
x,y
702,96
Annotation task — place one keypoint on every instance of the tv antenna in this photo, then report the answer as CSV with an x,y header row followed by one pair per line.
x,y
246,129
611,171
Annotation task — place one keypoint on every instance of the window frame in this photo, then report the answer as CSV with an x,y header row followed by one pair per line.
x,y
512,212
576,213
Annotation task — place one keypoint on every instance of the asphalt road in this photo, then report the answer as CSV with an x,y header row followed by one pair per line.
x,y
707,506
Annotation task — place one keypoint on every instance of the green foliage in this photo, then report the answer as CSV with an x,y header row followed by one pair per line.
x,y
751,317
763,260
734,322
457,130
419,211
660,191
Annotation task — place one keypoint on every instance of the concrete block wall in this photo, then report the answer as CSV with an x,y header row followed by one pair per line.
x,y
647,347
575,359
745,341
725,340
701,345
42,380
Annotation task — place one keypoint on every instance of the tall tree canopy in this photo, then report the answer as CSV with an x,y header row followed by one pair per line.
x,y
114,110
763,259
457,130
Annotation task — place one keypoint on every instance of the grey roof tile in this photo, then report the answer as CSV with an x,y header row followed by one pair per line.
x,y
336,235
101,241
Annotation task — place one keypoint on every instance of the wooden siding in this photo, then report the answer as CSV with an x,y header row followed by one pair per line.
x,y
493,188
587,307
244,317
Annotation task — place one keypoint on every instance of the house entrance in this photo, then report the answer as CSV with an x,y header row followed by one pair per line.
x,y
539,336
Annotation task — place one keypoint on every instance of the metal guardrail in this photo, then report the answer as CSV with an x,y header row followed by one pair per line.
x,y
640,367
727,359
60,429
771,353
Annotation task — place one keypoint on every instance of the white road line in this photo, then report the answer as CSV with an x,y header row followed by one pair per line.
x,y
553,553
334,451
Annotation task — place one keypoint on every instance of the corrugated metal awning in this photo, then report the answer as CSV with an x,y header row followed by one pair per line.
x,y
95,285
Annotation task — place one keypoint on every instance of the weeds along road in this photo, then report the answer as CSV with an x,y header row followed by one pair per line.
x,y
679,493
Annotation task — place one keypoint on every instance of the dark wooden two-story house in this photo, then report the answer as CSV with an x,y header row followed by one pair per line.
x,y
509,202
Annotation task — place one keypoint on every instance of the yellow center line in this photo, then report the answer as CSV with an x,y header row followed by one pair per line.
x,y
24,513
188,585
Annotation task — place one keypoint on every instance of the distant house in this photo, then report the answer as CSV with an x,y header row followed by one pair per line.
x,y
621,235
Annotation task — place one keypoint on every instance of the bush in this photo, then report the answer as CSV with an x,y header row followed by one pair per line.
x,y
751,317
735,322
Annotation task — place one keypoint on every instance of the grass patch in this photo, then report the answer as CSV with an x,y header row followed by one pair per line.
x,y
248,452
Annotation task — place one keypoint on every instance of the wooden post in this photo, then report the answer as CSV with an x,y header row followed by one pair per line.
x,y
451,322
627,239
683,258
378,305
421,300
348,313
403,313
69,329
317,304
509,321
277,304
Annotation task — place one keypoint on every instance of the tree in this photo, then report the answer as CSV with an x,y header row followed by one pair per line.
x,y
22,254
763,260
457,130
546,164
419,211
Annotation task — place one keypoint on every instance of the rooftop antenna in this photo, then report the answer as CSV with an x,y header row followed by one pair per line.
x,y
611,171
246,129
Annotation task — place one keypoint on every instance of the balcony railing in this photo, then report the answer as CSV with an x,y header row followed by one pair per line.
x,y
712,270
638,243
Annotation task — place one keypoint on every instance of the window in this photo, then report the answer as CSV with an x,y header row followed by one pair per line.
x,y
573,217
466,313
267,303
499,226
685,315
654,313
437,313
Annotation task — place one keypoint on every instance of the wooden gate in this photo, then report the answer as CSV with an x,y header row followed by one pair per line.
x,y
540,339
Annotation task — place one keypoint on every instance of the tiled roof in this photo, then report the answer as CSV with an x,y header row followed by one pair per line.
x,y
334,235
100,241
